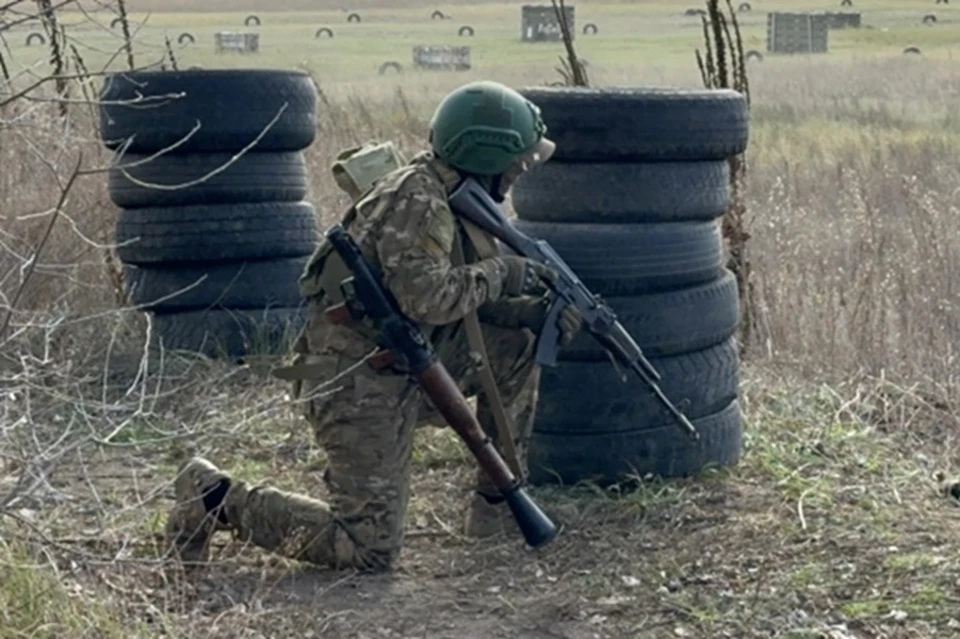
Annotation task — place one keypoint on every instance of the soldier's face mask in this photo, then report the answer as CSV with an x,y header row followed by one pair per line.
x,y
539,154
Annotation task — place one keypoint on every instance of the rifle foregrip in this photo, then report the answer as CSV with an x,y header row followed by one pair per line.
x,y
548,341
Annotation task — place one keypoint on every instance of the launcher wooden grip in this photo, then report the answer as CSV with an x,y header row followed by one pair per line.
x,y
450,402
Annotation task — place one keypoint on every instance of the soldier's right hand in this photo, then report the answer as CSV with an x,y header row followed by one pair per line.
x,y
526,277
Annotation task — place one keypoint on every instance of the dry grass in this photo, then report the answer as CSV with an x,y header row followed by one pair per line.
x,y
829,528
830,522
851,190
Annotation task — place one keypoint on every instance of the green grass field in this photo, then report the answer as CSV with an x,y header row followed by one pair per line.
x,y
632,38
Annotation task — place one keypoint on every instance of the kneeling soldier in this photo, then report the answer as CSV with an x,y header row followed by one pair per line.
x,y
441,270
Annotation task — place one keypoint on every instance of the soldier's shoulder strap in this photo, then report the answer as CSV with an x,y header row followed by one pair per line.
x,y
383,194
471,322
316,277
483,243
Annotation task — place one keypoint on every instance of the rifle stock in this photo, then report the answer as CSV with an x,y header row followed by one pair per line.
x,y
402,337
472,202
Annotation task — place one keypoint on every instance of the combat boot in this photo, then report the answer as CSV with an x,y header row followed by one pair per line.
x,y
199,490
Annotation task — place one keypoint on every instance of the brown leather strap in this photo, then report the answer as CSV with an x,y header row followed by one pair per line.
x,y
484,244
471,322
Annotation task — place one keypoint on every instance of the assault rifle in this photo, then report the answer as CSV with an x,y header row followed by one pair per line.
x,y
472,202
402,341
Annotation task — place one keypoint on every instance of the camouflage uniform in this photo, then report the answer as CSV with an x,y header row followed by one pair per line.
x,y
365,421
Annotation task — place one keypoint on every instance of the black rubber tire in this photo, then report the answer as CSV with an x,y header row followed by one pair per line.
x,y
614,125
929,19
353,17
203,234
607,458
744,7
465,30
583,398
753,54
212,98
634,259
36,36
230,334
389,65
237,285
251,20
590,29
623,193
323,30
437,15
186,37
912,50
669,323
252,177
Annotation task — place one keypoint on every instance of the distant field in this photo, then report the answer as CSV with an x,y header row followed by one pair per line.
x,y
636,41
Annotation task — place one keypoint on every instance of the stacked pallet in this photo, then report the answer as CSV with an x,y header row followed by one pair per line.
x,y
798,32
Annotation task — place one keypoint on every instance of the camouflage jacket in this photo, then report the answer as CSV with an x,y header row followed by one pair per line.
x,y
405,228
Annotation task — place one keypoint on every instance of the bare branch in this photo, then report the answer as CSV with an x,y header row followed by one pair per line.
x,y
721,47
64,193
220,169
573,71
10,5
23,93
127,40
170,54
35,16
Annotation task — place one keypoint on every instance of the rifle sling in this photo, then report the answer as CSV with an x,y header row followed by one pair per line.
x,y
471,323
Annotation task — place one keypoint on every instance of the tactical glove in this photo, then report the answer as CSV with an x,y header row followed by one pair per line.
x,y
531,312
570,322
526,277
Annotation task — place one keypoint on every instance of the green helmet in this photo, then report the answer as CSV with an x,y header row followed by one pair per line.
x,y
483,128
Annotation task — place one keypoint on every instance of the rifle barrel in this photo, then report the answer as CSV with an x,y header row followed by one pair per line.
x,y
681,420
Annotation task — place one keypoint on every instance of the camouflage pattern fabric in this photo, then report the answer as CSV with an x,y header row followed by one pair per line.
x,y
405,228
365,420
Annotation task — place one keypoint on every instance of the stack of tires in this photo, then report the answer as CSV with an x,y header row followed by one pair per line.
x,y
631,201
210,176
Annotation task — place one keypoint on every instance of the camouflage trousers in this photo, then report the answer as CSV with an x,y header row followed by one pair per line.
x,y
366,425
